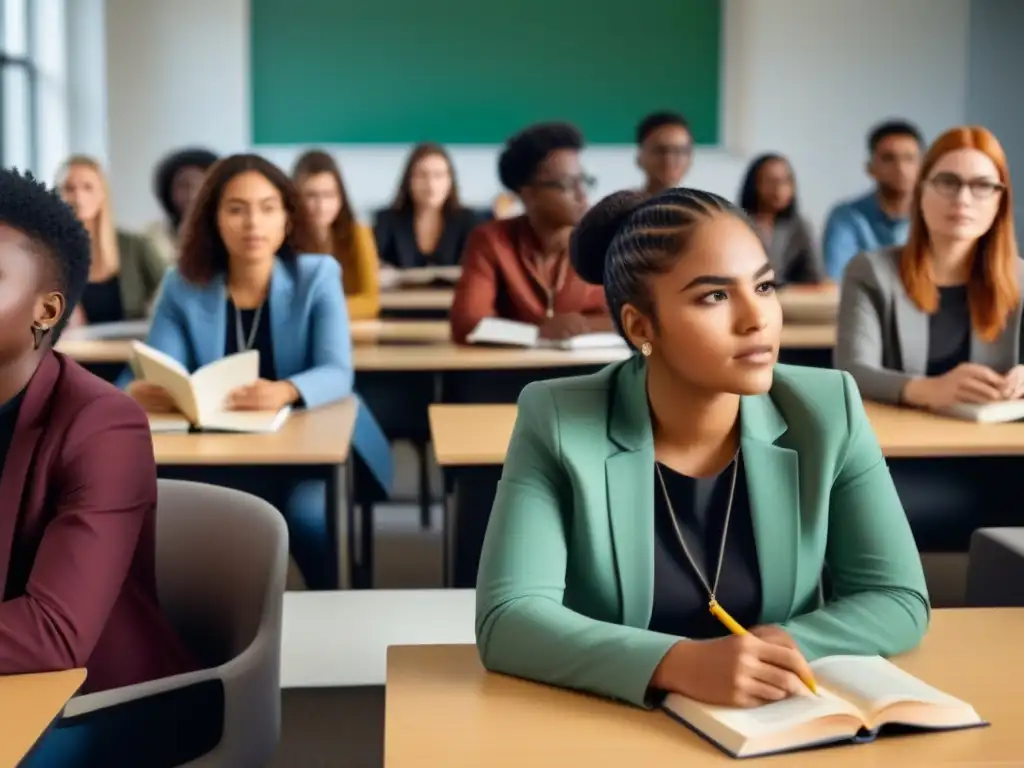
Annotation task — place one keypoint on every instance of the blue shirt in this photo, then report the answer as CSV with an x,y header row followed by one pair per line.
x,y
856,226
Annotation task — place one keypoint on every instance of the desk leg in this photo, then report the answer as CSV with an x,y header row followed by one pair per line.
x,y
474,492
339,520
449,520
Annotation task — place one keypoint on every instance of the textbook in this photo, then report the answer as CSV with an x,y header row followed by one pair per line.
x,y
858,697
986,413
494,330
200,396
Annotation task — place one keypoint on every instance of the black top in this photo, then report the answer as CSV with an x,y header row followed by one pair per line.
x,y
101,302
680,599
949,331
396,239
8,421
261,337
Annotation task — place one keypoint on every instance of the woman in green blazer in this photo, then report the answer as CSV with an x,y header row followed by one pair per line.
x,y
698,469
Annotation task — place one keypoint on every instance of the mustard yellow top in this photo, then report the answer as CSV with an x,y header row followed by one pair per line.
x,y
360,275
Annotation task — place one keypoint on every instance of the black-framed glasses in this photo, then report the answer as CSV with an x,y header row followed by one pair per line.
x,y
581,183
949,185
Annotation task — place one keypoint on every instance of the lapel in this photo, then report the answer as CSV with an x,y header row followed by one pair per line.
x,y
911,332
283,322
211,321
773,487
629,474
32,416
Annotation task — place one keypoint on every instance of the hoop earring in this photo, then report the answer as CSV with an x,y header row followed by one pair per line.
x,y
646,349
39,333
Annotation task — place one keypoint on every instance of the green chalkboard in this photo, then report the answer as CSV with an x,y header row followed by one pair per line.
x,y
475,71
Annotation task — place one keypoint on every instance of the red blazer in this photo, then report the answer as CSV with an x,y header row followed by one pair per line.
x,y
496,282
77,504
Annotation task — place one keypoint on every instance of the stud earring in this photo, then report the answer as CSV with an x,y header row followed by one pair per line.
x,y
646,348
39,333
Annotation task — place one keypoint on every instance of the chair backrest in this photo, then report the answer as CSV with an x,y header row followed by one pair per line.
x,y
221,564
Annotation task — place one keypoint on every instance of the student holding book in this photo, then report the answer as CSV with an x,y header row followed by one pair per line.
x,y
244,282
768,196
337,232
176,182
78,491
519,268
426,225
125,269
937,323
696,471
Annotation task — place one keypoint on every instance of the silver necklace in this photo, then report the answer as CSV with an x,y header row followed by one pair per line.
x,y
244,345
711,588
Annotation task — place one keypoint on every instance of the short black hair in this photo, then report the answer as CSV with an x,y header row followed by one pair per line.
x,y
889,128
656,120
525,151
628,236
167,169
26,204
748,192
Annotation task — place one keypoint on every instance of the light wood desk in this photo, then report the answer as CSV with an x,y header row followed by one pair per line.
x,y
809,303
28,705
96,351
454,357
400,331
442,708
417,299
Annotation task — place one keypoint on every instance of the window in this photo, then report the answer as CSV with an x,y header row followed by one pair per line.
x,y
18,81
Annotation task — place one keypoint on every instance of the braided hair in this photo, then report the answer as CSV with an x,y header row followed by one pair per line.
x,y
628,236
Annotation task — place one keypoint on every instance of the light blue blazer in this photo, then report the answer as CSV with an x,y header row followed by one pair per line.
x,y
309,332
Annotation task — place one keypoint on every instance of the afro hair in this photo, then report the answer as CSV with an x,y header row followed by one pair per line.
x,y
525,151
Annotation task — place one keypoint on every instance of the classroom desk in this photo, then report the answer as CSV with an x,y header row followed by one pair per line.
x,y
29,704
417,302
809,303
952,476
312,445
443,708
96,351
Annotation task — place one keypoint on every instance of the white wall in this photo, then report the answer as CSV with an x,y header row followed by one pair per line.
x,y
804,77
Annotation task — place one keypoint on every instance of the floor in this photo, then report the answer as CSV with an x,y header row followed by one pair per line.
x,y
344,728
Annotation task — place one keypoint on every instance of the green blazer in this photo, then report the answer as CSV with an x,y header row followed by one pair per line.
x,y
140,272
566,578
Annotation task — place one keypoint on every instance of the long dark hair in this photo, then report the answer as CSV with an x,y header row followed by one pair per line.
x,y
748,192
403,198
203,253
343,227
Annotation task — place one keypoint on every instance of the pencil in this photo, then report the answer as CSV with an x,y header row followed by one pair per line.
x,y
737,629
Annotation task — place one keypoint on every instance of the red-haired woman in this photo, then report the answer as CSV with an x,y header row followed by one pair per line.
x,y
938,321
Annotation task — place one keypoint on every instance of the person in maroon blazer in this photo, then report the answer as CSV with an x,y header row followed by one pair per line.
x,y
77,473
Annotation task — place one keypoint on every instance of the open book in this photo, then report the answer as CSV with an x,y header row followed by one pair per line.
x,y
494,330
200,396
857,696
986,413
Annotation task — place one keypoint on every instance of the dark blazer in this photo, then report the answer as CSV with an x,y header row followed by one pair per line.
x,y
396,239
77,506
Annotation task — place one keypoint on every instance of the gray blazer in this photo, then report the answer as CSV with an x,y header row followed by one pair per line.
x,y
882,337
792,252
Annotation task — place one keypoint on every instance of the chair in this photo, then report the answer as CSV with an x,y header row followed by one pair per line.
x,y
221,564
995,569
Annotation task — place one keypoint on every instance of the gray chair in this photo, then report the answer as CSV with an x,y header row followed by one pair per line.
x,y
221,564
995,570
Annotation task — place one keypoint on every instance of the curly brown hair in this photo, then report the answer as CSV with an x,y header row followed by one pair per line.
x,y
203,254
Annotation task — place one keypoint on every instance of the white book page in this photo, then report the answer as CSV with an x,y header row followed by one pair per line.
x,y
248,421
156,367
770,718
495,330
213,382
872,683
602,340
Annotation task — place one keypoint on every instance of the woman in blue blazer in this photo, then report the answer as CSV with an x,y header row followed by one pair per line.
x,y
242,284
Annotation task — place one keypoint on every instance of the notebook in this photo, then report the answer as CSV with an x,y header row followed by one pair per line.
x,y
200,396
986,413
858,697
495,330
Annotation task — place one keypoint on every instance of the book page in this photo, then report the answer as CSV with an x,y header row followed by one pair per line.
x,y
872,683
247,421
600,340
153,366
495,330
769,718
213,382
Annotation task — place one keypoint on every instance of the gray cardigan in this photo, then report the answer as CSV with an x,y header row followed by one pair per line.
x,y
882,337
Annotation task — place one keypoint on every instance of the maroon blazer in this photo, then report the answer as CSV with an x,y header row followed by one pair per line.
x,y
77,506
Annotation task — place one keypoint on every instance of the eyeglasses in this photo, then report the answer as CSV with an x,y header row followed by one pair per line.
x,y
949,185
677,151
582,183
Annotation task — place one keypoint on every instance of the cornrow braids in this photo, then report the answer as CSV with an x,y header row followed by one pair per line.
x,y
628,237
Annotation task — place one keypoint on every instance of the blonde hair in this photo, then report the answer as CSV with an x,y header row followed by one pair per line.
x,y
105,247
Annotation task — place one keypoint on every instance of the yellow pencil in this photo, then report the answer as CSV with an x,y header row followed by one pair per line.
x,y
734,626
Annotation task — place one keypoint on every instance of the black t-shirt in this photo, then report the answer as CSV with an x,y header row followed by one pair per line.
x,y
949,331
261,337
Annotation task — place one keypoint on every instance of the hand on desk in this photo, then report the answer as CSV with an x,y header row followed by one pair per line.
x,y
152,398
564,326
263,395
735,671
967,383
